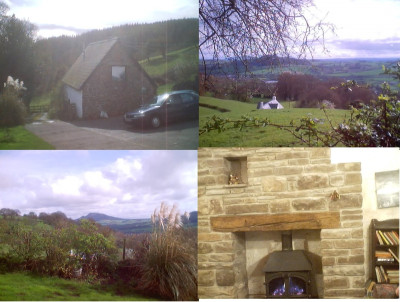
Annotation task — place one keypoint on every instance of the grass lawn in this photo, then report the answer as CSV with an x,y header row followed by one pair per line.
x,y
23,140
262,136
23,286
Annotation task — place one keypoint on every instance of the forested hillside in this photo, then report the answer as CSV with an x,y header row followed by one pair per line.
x,y
54,56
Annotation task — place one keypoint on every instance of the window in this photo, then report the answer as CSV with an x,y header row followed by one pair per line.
x,y
118,73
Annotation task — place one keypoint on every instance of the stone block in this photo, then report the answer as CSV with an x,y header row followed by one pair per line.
x,y
206,180
357,233
351,189
319,168
309,204
335,234
225,277
351,212
206,277
320,153
215,207
246,209
327,244
274,184
359,259
344,270
352,179
334,252
331,282
204,248
349,244
260,172
352,224
292,154
211,237
344,293
351,218
239,200
298,162
279,206
357,282
288,170
345,167
215,292
328,261
224,247
227,258
357,251
336,180
346,201
308,182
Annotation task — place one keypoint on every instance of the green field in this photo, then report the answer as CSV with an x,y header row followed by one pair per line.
x,y
22,139
262,136
27,287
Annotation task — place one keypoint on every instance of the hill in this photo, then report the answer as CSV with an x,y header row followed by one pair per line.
x,y
132,226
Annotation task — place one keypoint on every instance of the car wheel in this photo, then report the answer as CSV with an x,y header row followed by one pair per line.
x,y
155,121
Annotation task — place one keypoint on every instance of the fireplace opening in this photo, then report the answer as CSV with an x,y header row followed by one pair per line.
x,y
289,273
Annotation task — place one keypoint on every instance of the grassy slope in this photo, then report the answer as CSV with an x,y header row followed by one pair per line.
x,y
157,66
24,140
257,137
22,286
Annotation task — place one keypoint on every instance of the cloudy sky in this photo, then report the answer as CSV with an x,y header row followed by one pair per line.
x,y
126,184
69,17
364,28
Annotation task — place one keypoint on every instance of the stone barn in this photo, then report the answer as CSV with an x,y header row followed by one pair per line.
x,y
105,80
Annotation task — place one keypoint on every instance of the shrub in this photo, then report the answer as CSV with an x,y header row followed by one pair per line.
x,y
170,265
12,109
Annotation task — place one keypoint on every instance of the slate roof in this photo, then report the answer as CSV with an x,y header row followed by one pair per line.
x,y
87,63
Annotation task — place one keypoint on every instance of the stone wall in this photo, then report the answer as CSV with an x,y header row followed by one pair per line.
x,y
278,181
102,93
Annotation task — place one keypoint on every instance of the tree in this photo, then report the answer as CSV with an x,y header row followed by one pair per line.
x,y
16,49
9,213
245,29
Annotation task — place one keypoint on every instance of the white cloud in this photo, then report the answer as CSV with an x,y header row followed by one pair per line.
x,y
117,183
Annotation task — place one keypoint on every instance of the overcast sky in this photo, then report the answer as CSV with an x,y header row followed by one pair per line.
x,y
70,17
364,28
126,184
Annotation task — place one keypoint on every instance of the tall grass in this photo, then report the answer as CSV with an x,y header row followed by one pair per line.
x,y
169,266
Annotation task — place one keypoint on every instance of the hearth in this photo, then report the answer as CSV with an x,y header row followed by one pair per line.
x,y
288,273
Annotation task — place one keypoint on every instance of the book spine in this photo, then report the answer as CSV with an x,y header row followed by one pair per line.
x,y
383,237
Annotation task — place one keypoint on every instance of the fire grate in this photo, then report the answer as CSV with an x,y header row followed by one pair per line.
x,y
288,272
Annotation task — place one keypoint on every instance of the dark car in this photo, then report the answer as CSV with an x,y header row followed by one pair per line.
x,y
166,108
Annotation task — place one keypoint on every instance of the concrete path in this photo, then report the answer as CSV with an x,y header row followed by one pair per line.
x,y
113,134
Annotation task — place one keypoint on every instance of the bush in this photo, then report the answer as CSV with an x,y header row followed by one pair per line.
x,y
12,109
170,265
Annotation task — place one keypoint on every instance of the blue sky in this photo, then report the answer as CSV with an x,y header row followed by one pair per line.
x,y
126,184
69,17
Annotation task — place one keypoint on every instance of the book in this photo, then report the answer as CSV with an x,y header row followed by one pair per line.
x,y
379,238
383,238
394,255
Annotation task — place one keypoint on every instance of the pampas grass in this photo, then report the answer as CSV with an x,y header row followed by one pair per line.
x,y
169,267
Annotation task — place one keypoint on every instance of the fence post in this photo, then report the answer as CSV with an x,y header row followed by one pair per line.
x,y
123,252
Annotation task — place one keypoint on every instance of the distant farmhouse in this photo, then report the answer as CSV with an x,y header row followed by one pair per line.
x,y
106,81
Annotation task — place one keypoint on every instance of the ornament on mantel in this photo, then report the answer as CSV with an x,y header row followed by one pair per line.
x,y
233,179
335,196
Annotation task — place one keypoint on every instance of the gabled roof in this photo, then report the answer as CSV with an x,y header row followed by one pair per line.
x,y
87,63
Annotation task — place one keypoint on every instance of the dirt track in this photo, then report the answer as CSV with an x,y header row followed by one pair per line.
x,y
115,135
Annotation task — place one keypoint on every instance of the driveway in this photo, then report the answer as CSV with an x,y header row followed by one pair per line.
x,y
113,134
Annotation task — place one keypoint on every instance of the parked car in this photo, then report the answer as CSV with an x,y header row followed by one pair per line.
x,y
166,108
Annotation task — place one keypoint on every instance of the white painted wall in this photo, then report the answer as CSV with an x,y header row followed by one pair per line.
x,y
372,160
75,97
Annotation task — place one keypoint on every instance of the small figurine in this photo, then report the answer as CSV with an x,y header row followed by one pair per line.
x,y
233,179
335,196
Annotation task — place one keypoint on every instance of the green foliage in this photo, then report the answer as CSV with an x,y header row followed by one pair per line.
x,y
376,124
28,287
12,110
22,139
169,266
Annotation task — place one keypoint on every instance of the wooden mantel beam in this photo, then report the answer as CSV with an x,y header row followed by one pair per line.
x,y
276,222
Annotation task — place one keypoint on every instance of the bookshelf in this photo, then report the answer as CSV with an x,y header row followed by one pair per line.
x,y
385,251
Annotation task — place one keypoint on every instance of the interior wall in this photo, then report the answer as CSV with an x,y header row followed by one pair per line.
x,y
372,160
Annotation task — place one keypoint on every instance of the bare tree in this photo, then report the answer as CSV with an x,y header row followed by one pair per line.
x,y
246,29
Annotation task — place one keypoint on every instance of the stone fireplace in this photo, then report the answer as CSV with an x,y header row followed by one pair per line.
x,y
278,190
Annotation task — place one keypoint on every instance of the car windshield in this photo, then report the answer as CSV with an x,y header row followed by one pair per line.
x,y
158,100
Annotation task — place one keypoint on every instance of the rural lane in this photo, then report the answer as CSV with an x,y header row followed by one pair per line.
x,y
113,134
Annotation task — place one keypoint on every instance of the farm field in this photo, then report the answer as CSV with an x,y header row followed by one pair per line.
x,y
27,287
257,137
